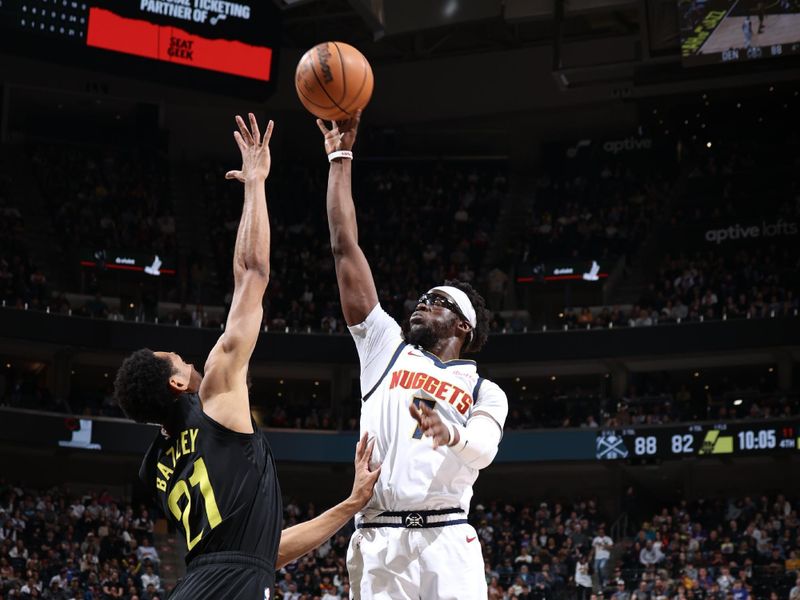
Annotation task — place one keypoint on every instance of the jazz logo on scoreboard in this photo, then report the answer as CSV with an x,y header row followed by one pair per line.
x,y
714,443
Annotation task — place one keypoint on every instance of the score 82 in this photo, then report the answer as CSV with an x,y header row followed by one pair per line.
x,y
682,444
644,446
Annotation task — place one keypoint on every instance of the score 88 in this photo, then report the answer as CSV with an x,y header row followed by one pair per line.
x,y
645,445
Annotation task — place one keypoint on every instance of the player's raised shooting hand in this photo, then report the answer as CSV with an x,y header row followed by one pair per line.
x,y
365,479
341,135
256,159
432,425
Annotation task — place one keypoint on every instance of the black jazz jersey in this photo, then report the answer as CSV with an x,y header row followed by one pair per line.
x,y
218,486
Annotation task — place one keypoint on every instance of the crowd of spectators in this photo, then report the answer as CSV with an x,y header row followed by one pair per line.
x,y
746,549
92,546
418,222
731,276
21,283
102,200
106,198
711,285
601,209
733,279
740,549
530,550
540,550
594,205
60,546
55,545
322,573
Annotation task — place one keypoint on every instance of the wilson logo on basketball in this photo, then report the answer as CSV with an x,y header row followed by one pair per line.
x,y
323,54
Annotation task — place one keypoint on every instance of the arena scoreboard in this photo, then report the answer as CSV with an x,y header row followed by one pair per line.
x,y
740,438
233,40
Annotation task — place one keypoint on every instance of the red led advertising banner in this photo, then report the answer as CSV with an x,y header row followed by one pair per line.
x,y
110,31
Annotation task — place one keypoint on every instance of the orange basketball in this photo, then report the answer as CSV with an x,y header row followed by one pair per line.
x,y
333,80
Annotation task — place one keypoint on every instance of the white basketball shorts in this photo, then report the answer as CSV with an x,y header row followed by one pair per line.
x,y
395,563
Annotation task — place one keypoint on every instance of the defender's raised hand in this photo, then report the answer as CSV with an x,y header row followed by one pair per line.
x,y
365,479
256,159
341,135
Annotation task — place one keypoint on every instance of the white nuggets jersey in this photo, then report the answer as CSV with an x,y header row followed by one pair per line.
x,y
394,374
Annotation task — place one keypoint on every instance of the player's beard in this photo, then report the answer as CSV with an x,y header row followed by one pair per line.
x,y
424,336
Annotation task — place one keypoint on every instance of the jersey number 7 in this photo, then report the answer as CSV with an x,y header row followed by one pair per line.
x,y
417,435
180,489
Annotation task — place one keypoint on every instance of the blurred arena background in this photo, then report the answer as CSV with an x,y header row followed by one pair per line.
x,y
618,178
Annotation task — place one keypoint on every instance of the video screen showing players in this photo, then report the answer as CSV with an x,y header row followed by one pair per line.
x,y
716,31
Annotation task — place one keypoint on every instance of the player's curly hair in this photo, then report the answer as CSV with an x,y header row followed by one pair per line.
x,y
482,315
141,387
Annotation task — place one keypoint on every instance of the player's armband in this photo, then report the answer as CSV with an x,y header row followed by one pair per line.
x,y
478,441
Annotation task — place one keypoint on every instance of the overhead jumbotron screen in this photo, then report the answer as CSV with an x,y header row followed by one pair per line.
x,y
234,40
717,31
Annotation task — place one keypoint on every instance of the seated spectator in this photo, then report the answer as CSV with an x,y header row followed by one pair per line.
x,y
150,578
147,552
620,593
642,592
650,554
725,579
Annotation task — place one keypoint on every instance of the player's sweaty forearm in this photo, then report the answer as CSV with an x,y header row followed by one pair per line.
x,y
251,252
341,209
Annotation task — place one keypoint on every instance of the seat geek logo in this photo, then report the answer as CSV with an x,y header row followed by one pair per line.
x,y
738,232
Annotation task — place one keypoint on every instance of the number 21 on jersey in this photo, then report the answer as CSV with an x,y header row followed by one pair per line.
x,y
180,490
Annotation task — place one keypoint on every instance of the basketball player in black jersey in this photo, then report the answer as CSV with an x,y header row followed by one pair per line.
x,y
211,469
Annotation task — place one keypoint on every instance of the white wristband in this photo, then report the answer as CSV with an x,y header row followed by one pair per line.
x,y
450,432
452,429
340,154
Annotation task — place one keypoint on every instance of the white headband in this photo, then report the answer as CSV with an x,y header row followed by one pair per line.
x,y
461,300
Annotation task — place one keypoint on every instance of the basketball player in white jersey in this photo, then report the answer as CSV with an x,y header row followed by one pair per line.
x,y
747,30
435,421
